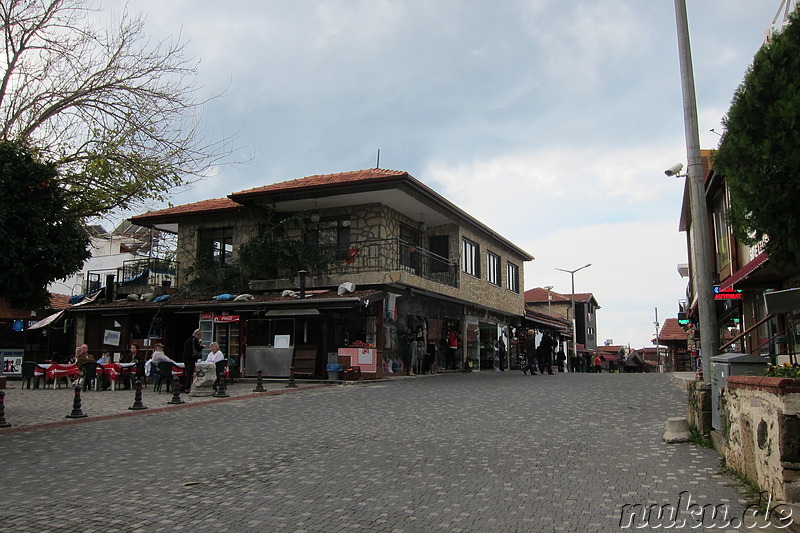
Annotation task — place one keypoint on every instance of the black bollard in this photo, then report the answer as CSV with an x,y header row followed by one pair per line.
x,y
259,383
137,398
221,392
291,383
76,405
176,393
3,423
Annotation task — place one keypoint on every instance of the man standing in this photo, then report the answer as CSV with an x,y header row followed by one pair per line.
x,y
192,351
530,353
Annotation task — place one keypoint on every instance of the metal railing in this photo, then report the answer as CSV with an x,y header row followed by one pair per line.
x,y
388,255
134,272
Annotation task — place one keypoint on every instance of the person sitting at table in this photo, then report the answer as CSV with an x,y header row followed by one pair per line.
x,y
82,355
132,356
106,359
159,356
214,355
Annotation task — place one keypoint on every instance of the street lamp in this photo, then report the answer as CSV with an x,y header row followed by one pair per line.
x,y
572,307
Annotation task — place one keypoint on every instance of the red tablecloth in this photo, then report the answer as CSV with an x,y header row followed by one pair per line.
x,y
58,371
115,371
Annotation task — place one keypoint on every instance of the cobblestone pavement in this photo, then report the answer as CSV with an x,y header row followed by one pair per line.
x,y
478,452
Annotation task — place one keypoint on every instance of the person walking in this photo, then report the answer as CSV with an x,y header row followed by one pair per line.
x,y
452,349
530,354
598,364
192,352
561,359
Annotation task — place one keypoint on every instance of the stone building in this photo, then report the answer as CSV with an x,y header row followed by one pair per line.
x,y
370,268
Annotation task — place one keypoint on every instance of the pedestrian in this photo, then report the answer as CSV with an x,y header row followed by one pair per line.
x,y
530,354
501,352
561,360
192,352
544,355
452,349
598,364
417,350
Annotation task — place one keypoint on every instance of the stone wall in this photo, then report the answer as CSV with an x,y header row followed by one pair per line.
x,y
760,418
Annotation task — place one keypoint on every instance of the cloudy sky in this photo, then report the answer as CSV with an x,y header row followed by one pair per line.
x,y
551,121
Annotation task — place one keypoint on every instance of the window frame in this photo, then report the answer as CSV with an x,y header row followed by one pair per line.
x,y
512,277
216,246
493,274
470,257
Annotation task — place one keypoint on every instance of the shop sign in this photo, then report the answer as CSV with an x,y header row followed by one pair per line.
x,y
12,361
727,294
226,318
206,316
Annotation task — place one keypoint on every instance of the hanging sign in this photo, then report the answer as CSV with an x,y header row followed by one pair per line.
x,y
226,318
727,294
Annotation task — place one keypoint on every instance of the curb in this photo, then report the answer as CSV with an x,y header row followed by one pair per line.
x,y
71,421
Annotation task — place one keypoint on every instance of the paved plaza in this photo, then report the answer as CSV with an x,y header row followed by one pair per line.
x,y
478,452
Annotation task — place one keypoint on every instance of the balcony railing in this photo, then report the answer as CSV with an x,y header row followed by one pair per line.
x,y
149,272
388,255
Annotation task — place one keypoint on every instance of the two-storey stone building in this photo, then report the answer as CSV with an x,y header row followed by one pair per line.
x,y
371,268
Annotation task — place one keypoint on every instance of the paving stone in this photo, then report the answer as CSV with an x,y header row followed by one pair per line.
x,y
477,452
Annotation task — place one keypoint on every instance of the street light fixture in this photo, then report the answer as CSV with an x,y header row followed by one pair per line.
x,y
549,297
572,308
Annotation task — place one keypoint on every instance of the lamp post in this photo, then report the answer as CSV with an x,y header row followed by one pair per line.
x,y
572,307
699,245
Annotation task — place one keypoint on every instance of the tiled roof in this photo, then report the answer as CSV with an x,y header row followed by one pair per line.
x,y
325,180
672,331
59,301
539,295
205,206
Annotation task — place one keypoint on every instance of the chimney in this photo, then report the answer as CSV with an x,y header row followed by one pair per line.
x,y
303,274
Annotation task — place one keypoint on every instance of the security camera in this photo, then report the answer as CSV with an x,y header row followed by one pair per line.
x,y
674,169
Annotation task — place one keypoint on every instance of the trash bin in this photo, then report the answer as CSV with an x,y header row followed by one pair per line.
x,y
334,371
351,373
731,364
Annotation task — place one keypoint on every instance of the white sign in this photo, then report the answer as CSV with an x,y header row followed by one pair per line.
x,y
12,361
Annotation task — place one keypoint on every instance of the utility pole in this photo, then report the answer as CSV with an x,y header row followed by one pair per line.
x,y
699,236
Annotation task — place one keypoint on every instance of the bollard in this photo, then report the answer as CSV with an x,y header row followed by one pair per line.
x,y
221,392
176,393
137,398
3,423
291,383
259,384
76,405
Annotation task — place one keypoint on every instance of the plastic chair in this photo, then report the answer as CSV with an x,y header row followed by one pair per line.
x,y
164,376
29,374
89,374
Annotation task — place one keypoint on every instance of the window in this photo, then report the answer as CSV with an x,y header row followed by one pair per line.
x,y
513,277
469,258
721,231
333,233
493,268
439,246
216,246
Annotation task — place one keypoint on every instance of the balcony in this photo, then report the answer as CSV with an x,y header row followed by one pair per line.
x,y
135,276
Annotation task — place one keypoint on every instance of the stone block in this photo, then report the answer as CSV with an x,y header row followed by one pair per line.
x,y
676,430
789,430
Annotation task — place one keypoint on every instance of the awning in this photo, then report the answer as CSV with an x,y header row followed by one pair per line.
x,y
745,271
46,321
292,312
608,357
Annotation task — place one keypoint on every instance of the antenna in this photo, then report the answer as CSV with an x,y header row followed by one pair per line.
x,y
378,162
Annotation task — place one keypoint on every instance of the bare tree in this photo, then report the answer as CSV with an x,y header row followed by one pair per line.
x,y
117,114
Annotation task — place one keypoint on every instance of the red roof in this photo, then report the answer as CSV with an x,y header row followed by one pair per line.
x,y
322,180
205,206
539,295
59,301
672,331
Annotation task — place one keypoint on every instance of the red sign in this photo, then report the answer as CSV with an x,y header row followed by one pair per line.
x,y
727,294
226,318
206,316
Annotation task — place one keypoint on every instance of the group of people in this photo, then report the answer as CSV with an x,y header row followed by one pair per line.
x,y
541,357
192,353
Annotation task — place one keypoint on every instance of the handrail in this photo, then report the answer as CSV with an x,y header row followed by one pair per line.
x,y
745,332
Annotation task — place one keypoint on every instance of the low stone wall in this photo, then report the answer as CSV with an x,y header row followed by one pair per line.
x,y
699,414
760,419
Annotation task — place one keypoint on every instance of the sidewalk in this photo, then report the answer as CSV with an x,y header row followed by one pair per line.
x,y
30,409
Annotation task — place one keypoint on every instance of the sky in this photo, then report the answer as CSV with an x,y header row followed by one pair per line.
x,y
551,121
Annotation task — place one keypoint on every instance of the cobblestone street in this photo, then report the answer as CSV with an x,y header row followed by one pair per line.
x,y
479,452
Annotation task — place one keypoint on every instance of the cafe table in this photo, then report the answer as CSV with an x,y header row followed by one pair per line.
x,y
115,372
57,371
